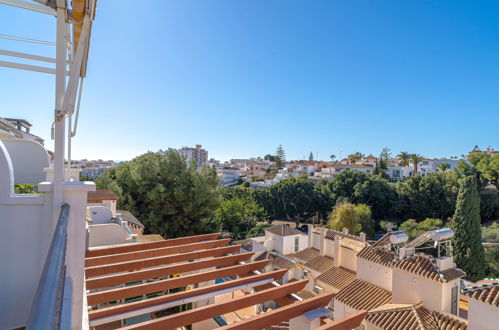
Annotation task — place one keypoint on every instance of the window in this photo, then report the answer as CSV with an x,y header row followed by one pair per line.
x,y
297,243
453,307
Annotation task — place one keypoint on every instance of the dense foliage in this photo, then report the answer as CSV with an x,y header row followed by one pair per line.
x,y
355,218
169,197
413,228
467,241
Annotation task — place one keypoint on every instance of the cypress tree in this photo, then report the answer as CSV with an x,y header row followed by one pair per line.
x,y
467,242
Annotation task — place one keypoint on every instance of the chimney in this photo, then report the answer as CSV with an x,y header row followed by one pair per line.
x,y
363,236
444,263
345,230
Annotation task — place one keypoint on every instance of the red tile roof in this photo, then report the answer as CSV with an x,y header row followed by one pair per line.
x,y
320,263
379,256
487,293
392,316
362,295
101,195
424,266
337,277
283,230
331,233
306,255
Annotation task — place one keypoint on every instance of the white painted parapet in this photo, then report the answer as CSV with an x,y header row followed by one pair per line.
x,y
75,194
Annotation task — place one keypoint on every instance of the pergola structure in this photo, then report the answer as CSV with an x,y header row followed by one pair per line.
x,y
204,267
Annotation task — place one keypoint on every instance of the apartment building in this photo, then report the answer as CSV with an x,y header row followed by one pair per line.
x,y
196,154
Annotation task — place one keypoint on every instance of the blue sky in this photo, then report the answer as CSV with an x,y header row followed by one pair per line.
x,y
241,77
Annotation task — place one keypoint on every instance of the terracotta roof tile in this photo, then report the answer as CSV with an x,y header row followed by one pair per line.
x,y
331,233
127,216
305,294
424,266
391,316
379,256
306,255
283,230
320,263
337,277
487,293
363,295
101,195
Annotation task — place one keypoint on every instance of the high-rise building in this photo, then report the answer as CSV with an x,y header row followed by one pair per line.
x,y
198,154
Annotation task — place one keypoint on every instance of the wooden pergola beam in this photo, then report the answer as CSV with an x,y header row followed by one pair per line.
x,y
146,254
348,322
210,311
152,245
158,261
281,314
107,281
113,310
172,283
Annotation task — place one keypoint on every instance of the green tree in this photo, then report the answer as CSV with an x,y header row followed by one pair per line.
x,y
332,157
280,157
269,157
311,157
415,159
490,234
431,196
355,157
344,216
258,230
488,167
355,218
467,241
414,229
404,158
366,221
489,205
26,188
170,198
443,167
237,216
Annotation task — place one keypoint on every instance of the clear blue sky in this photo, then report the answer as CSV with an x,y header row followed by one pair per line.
x,y
241,77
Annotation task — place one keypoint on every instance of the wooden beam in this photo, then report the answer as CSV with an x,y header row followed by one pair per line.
x,y
152,245
348,322
146,254
107,281
282,314
206,312
158,261
113,310
171,283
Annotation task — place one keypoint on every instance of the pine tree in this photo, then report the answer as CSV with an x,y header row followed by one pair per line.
x,y
467,242
280,157
311,157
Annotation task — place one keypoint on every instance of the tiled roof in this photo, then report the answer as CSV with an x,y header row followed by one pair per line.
x,y
246,244
307,254
337,277
363,295
101,195
305,294
276,260
320,263
379,256
423,266
331,233
283,230
127,216
413,317
487,293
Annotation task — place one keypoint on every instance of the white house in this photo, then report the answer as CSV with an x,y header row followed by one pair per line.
x,y
284,239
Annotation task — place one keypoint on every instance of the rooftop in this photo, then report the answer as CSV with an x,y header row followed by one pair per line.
x,y
486,293
150,272
283,230
337,277
425,266
363,295
101,195
407,316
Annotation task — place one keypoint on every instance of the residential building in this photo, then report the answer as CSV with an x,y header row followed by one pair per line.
x,y
18,128
196,154
284,239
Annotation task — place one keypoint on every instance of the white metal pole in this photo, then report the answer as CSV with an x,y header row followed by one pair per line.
x,y
60,125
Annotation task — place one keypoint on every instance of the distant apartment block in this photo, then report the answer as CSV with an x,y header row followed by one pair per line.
x,y
198,154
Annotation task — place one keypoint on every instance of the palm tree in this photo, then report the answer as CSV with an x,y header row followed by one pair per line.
x,y
332,157
415,159
404,158
443,167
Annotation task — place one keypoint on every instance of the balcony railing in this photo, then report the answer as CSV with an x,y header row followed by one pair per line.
x,y
51,308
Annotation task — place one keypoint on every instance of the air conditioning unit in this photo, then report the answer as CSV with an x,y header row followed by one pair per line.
x,y
317,289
